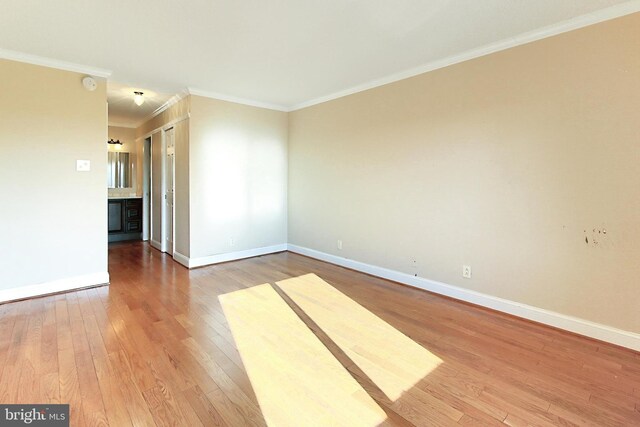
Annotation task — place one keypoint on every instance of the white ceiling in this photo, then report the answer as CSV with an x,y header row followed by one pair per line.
x,y
281,53
124,112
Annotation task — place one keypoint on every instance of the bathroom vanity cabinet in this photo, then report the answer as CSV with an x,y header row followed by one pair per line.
x,y
125,219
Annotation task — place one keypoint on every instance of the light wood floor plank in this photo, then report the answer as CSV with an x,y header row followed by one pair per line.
x,y
291,390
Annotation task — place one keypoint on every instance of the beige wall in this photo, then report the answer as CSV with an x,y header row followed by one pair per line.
x,y
126,135
231,176
182,192
53,219
238,177
507,163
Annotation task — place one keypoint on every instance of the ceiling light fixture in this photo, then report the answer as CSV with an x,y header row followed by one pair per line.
x,y
138,98
111,141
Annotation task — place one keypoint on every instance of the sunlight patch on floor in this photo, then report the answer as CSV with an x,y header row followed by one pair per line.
x,y
391,360
296,379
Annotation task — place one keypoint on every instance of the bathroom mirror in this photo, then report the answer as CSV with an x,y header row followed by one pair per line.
x,y
118,170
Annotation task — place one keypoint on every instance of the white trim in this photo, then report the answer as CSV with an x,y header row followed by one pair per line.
x,y
538,34
181,259
169,103
581,21
55,286
243,101
229,256
569,323
165,126
169,222
163,191
155,244
122,125
146,187
13,55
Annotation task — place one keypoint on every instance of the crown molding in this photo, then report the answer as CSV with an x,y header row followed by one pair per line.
x,y
581,21
531,36
53,63
169,103
122,125
243,101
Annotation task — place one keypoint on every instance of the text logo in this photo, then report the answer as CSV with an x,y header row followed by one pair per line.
x,y
34,415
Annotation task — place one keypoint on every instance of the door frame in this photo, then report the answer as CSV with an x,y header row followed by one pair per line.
x,y
168,226
146,188
158,244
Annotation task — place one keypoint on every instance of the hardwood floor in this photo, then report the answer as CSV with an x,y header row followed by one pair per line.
x,y
155,348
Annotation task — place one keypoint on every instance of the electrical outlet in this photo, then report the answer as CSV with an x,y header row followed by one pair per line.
x,y
231,241
340,244
466,271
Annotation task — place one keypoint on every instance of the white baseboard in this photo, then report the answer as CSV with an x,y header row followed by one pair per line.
x,y
569,323
62,285
182,259
156,244
229,256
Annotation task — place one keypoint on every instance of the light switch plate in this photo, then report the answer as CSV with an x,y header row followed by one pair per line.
x,y
83,165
